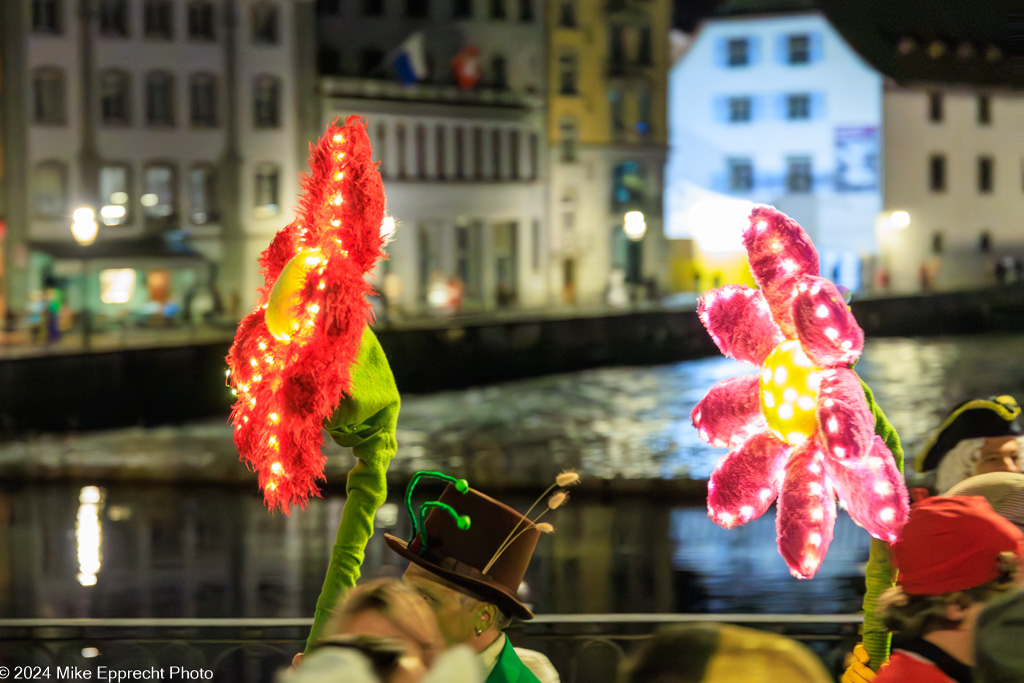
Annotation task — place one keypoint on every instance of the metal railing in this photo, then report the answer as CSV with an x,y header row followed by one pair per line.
x,y
583,647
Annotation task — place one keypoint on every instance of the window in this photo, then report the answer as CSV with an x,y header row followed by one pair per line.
x,y
643,110
985,242
799,178
266,199
264,24
568,137
616,50
158,195
114,18
738,52
115,194
421,151
629,186
46,16
567,13
798,107
373,8
49,189
158,19
497,160
935,107
114,98
534,155
644,52
741,175
499,71
160,99
266,102
200,20
48,96
514,156
567,73
985,168
460,153
739,109
462,9
497,9
984,110
937,173
798,49
525,10
380,145
937,242
418,9
202,195
440,143
400,148
203,100
617,113
478,153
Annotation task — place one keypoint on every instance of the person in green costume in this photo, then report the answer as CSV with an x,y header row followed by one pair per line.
x,y
364,421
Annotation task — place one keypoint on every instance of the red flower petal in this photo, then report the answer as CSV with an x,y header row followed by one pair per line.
x,y
740,322
846,424
779,253
828,332
806,512
873,491
730,412
747,480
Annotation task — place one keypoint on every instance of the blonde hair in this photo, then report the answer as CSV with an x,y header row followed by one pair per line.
x,y
396,602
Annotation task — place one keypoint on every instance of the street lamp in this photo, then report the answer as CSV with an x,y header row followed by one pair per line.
x,y
84,229
634,226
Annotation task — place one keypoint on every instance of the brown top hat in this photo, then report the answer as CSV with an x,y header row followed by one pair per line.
x,y
460,556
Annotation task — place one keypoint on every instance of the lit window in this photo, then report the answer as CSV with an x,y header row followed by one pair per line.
x,y
115,194
117,285
158,195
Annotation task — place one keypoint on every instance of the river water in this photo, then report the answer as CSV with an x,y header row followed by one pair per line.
x,y
210,549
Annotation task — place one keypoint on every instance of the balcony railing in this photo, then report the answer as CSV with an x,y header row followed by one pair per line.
x,y
583,647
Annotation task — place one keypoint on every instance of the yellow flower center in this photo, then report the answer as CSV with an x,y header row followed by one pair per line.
x,y
789,393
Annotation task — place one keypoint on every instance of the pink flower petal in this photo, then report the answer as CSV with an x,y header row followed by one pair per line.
x,y
806,512
730,412
740,322
873,491
828,332
747,480
779,253
845,422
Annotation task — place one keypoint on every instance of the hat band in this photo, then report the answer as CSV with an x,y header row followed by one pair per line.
x,y
459,567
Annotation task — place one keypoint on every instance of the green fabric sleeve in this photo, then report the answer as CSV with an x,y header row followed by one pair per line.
x,y
879,572
364,422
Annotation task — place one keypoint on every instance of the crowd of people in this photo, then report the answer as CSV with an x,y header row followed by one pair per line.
x,y
956,610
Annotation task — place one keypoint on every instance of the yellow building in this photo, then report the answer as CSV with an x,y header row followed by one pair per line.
x,y
607,74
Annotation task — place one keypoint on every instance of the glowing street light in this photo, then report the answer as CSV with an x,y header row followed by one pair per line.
x,y
634,226
84,229
899,219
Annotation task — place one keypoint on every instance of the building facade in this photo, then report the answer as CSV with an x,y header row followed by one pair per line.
x,y
175,123
607,66
773,110
460,143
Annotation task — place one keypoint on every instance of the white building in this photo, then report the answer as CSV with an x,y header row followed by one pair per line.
x,y
775,110
462,167
174,120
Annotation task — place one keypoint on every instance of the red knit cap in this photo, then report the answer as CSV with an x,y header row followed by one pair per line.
x,y
952,543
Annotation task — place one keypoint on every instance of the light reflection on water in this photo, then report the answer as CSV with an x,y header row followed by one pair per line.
x,y
214,551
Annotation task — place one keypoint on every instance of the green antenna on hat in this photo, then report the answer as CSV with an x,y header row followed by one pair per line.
x,y
418,526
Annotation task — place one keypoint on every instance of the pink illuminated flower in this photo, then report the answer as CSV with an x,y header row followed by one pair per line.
x,y
800,430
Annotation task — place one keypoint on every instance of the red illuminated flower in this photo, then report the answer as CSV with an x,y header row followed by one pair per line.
x,y
800,430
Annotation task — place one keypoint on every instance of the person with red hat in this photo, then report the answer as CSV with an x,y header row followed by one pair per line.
x,y
953,555
467,557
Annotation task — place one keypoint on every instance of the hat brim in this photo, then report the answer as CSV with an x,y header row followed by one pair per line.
x,y
491,592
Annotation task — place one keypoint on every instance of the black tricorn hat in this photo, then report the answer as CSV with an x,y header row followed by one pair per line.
x,y
977,418
460,555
